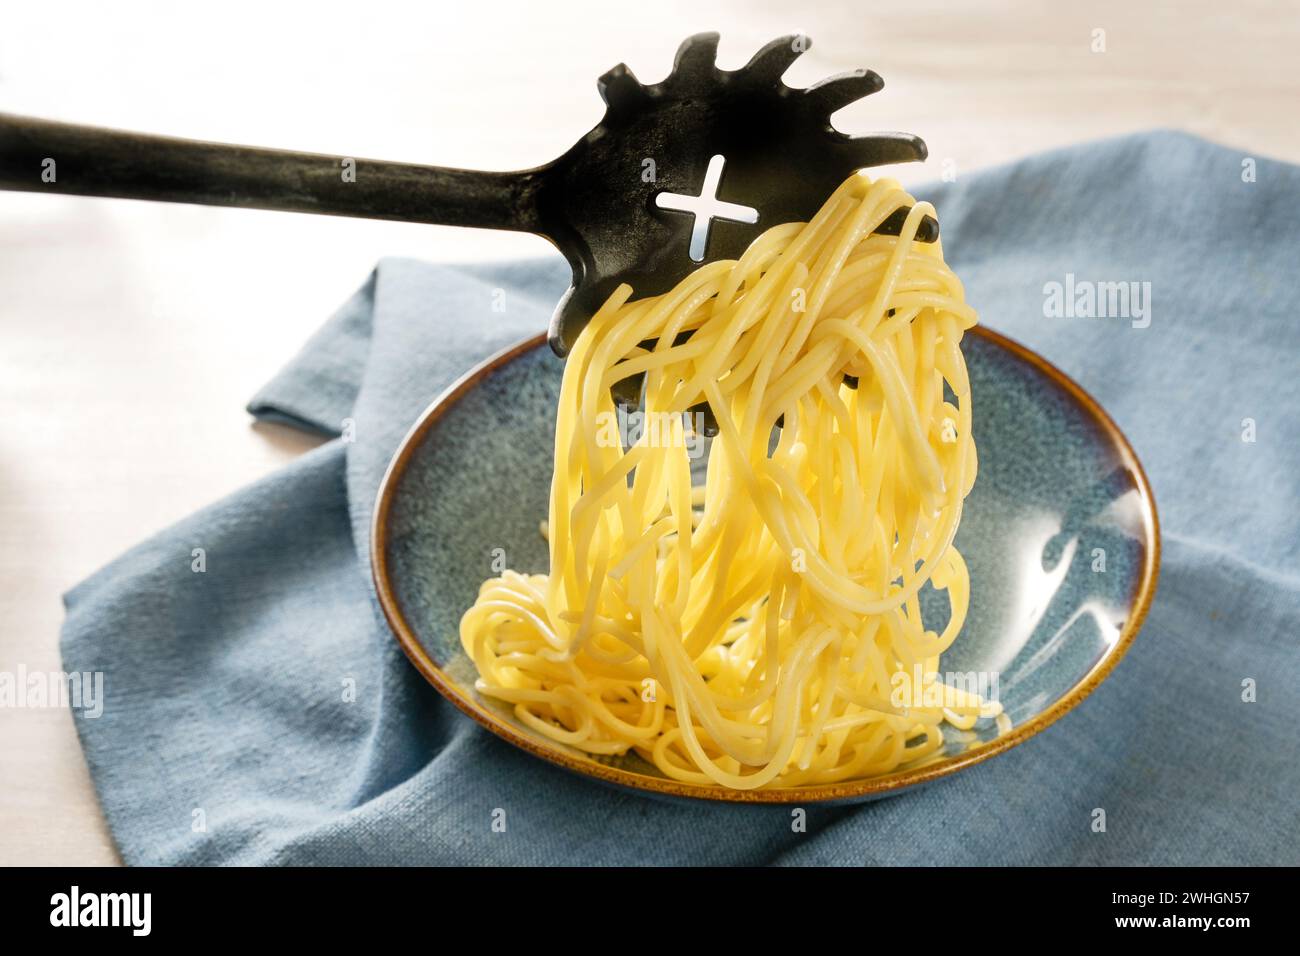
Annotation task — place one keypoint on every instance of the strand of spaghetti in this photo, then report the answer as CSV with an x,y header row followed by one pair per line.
x,y
753,623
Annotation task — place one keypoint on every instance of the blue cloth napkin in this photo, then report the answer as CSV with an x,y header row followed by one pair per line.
x,y
228,735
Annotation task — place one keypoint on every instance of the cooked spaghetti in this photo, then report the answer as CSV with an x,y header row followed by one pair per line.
x,y
761,627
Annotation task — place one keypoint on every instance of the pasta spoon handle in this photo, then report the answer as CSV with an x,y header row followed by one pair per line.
x,y
38,155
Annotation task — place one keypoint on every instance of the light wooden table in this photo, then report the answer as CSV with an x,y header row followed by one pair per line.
x,y
131,334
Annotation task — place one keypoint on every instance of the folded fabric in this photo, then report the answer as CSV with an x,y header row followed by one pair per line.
x,y
259,711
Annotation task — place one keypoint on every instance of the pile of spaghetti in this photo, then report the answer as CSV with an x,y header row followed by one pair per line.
x,y
761,627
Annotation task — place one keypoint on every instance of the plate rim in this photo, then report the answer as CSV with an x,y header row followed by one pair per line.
x,y
868,787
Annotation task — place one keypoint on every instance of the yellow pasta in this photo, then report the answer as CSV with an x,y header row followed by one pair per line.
x,y
762,626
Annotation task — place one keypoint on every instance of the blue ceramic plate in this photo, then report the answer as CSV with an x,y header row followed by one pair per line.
x,y
1060,533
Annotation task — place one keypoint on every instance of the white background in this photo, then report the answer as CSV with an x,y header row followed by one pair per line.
x,y
131,334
